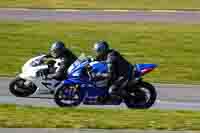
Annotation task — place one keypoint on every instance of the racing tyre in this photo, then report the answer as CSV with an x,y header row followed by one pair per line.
x,y
67,97
19,89
141,96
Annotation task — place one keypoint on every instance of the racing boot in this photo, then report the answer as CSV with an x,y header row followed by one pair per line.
x,y
114,92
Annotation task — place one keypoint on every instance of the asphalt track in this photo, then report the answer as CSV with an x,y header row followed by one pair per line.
x,y
100,16
186,97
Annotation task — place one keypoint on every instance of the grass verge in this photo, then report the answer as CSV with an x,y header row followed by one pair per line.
x,y
104,4
174,47
20,116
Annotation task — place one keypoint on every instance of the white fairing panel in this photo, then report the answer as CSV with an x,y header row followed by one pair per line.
x,y
30,73
32,66
57,64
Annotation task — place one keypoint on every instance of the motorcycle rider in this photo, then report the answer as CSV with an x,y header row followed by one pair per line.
x,y
59,51
119,69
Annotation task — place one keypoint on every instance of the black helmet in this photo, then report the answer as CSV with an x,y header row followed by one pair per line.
x,y
57,49
101,47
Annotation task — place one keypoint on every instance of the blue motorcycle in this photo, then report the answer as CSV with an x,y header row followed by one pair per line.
x,y
81,88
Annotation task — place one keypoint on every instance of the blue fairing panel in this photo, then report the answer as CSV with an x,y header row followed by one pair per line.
x,y
73,81
142,69
145,66
99,67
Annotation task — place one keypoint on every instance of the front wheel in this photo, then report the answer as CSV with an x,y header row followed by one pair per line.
x,y
19,89
68,96
141,96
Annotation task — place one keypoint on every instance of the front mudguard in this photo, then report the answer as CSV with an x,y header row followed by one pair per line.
x,y
22,75
73,81
26,76
82,85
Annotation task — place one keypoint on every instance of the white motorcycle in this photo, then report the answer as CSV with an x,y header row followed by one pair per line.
x,y
34,77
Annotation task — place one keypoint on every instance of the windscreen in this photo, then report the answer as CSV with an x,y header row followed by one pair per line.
x,y
82,58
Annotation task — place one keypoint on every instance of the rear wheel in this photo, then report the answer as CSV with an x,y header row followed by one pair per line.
x,y
19,89
141,96
68,96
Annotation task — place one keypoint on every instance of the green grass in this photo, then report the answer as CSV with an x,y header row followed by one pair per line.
x,y
19,116
104,4
174,47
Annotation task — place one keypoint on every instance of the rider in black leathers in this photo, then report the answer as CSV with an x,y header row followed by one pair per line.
x,y
59,51
119,69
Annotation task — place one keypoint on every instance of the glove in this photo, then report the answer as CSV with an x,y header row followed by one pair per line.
x,y
48,55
